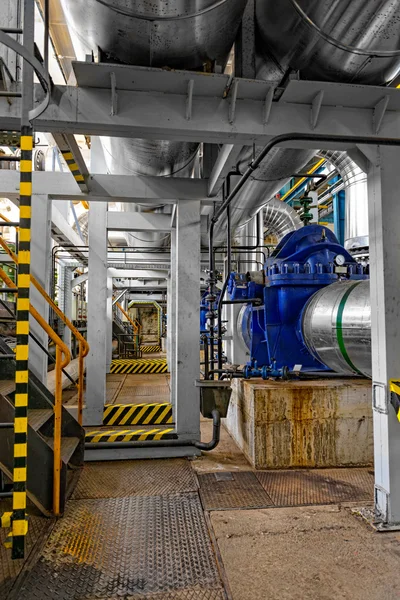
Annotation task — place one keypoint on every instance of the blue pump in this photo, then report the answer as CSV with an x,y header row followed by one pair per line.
x,y
304,261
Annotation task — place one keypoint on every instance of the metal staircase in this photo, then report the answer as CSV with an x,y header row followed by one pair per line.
x,y
40,439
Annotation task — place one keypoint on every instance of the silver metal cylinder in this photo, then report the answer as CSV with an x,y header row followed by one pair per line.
x,y
356,188
336,326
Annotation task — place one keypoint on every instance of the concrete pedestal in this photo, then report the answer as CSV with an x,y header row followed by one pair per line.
x,y
323,423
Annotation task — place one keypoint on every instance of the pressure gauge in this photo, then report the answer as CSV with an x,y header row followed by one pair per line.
x,y
339,260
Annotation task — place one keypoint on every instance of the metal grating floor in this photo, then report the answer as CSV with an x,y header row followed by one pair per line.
x,y
10,569
318,486
227,491
116,479
127,548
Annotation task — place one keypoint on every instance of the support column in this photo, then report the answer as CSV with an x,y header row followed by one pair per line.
x,y
384,217
187,337
66,307
41,245
109,322
171,322
96,362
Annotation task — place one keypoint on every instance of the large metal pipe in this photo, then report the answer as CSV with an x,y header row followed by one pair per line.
x,y
184,34
354,41
356,188
333,40
336,327
280,219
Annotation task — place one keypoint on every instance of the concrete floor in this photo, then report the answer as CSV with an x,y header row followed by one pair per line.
x,y
302,553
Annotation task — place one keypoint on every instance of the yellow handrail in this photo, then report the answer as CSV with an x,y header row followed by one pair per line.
x,y
135,327
83,345
61,349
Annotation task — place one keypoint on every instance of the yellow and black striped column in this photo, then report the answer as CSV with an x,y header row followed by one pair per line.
x,y
19,519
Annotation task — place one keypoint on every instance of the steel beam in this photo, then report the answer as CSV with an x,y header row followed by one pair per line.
x,y
96,363
384,216
226,161
107,188
41,268
160,113
136,221
137,274
186,363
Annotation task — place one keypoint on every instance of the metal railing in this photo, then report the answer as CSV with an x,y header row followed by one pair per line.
x,y
83,345
63,358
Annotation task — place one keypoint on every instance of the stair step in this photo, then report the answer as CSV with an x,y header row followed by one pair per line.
x,y
138,414
7,386
68,447
38,417
129,435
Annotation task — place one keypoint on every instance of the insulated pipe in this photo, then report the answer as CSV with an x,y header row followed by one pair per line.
x,y
336,327
280,219
356,188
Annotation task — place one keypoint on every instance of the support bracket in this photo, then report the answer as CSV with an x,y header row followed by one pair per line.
x,y
114,95
379,113
232,105
189,100
268,105
316,108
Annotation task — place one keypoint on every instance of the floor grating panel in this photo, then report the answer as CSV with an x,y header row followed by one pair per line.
x,y
318,486
116,479
127,548
10,569
227,491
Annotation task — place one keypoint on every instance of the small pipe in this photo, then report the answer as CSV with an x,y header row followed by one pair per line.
x,y
255,301
11,30
208,446
6,425
204,446
6,494
6,94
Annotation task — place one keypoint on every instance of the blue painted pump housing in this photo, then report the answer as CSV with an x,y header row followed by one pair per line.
x,y
304,261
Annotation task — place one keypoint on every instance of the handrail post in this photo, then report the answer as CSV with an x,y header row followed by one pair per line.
x,y
80,382
57,434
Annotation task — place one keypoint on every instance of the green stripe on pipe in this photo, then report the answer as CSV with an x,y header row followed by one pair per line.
x,y
339,328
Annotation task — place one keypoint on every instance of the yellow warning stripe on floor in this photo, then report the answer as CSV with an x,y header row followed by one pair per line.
x,y
138,414
129,435
149,349
143,366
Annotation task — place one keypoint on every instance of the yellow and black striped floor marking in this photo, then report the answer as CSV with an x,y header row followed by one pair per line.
x,y
129,435
150,349
143,366
138,414
19,518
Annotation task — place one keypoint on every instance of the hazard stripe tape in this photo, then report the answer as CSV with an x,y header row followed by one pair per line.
x,y
148,349
73,167
395,396
127,366
19,519
129,435
137,414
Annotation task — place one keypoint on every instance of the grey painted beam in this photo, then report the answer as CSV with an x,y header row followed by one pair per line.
x,y
135,221
159,113
122,188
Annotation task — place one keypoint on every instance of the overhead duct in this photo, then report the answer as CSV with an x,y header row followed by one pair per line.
x,y
280,219
356,187
184,34
353,41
